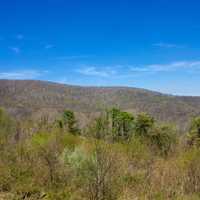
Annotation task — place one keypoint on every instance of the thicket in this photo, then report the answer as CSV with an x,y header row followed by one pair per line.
x,y
118,156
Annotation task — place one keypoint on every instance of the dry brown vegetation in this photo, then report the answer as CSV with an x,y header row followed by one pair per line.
x,y
118,156
34,98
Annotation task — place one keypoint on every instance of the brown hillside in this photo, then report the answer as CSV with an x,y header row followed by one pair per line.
x,y
34,98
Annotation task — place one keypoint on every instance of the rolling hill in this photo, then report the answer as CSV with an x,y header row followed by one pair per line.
x,y
27,98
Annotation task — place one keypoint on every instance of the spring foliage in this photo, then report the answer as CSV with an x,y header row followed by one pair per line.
x,y
119,156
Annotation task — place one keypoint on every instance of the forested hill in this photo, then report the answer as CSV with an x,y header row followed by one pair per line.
x,y
34,98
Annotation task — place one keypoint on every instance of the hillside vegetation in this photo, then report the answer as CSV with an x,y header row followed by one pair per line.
x,y
33,99
118,156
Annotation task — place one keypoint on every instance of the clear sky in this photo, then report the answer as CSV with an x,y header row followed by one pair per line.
x,y
152,44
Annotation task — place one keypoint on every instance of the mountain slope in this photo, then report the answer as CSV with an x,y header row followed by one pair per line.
x,y
34,98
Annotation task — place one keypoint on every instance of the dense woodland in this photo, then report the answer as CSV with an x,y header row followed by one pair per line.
x,y
117,156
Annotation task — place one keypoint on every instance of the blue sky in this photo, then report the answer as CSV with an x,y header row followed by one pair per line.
x,y
152,44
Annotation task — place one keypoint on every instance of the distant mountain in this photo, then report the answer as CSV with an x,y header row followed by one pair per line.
x,y
35,98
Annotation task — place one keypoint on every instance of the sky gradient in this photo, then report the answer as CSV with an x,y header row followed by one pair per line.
x,y
152,44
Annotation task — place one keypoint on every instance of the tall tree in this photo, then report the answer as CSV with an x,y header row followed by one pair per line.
x,y
144,123
122,123
69,122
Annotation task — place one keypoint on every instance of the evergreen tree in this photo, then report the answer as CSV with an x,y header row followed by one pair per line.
x,y
143,125
69,122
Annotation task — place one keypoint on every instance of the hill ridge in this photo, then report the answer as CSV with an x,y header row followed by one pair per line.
x,y
31,98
